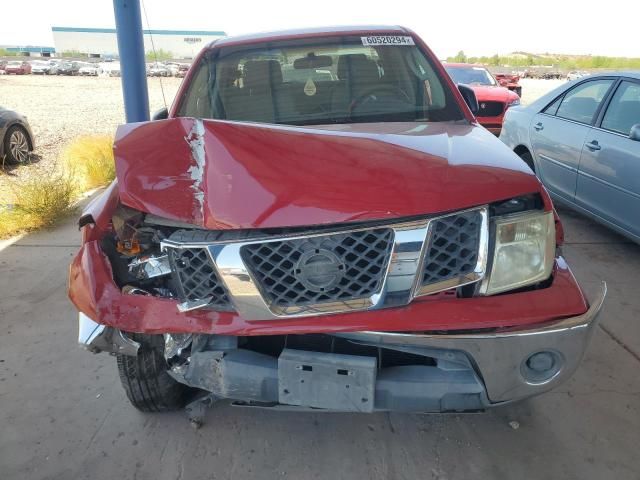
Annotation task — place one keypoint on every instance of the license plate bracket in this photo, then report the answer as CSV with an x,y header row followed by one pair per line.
x,y
327,380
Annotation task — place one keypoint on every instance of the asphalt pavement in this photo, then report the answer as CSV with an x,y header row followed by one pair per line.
x,y
64,415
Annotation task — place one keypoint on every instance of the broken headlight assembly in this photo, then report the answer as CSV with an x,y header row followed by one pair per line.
x,y
139,267
523,251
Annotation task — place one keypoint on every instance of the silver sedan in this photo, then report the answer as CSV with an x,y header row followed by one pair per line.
x,y
583,141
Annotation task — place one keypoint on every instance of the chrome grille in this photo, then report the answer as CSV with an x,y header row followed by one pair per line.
x,y
490,109
268,275
315,270
452,251
196,277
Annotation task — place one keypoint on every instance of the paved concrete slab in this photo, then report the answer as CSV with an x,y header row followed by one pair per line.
x,y
63,414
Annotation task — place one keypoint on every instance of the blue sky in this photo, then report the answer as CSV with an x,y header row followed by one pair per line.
x,y
478,28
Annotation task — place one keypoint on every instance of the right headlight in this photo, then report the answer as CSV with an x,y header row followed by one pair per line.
x,y
524,251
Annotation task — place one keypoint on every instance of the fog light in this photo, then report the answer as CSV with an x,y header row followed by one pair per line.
x,y
540,367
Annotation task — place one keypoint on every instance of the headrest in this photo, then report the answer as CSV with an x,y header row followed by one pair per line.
x,y
356,66
260,74
627,115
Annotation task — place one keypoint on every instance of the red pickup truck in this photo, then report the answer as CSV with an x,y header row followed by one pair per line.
x,y
319,221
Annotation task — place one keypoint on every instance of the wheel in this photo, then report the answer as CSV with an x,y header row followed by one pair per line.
x,y
528,159
146,380
16,145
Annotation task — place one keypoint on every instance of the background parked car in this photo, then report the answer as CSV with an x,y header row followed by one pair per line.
x,y
39,67
88,69
68,68
583,141
493,99
183,68
158,70
551,76
109,68
575,75
18,67
16,139
53,66
510,81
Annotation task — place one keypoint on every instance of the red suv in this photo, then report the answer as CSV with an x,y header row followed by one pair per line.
x,y
346,238
493,99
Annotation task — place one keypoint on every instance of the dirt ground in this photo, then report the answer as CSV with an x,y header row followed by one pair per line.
x,y
61,108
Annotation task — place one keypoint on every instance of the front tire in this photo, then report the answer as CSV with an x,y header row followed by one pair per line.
x,y
146,380
17,145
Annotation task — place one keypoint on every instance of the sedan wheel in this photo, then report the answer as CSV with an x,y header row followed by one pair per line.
x,y
17,146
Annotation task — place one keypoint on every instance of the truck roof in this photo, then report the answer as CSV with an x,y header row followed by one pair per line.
x,y
309,32
462,65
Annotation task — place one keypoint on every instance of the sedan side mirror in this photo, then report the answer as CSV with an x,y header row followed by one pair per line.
x,y
635,132
161,114
469,97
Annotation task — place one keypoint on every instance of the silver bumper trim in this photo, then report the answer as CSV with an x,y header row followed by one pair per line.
x,y
499,356
99,338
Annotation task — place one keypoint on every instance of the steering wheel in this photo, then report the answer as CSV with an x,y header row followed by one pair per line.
x,y
372,93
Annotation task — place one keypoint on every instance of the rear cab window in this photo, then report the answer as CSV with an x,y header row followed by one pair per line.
x,y
319,81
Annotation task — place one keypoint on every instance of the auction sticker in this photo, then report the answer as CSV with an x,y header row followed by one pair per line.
x,y
377,40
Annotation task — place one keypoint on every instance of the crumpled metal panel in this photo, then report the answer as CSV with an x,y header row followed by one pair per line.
x,y
228,175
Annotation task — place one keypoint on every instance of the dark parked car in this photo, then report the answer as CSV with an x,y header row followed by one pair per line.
x,y
16,139
69,68
583,142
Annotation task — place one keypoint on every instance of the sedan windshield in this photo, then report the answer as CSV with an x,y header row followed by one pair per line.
x,y
306,82
471,75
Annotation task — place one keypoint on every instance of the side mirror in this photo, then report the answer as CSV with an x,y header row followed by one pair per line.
x,y
161,114
469,97
635,132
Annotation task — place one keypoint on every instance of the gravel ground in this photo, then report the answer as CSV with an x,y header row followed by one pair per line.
x,y
533,88
62,108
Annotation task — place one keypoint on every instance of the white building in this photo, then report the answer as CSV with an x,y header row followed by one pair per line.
x,y
103,42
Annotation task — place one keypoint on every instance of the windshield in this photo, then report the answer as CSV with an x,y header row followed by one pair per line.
x,y
306,82
471,75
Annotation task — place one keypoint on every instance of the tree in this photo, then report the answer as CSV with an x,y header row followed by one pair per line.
x,y
460,57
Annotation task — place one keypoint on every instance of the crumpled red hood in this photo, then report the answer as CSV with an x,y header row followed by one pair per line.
x,y
223,175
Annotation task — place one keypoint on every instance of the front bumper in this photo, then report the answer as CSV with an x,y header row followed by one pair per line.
x,y
500,357
471,371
